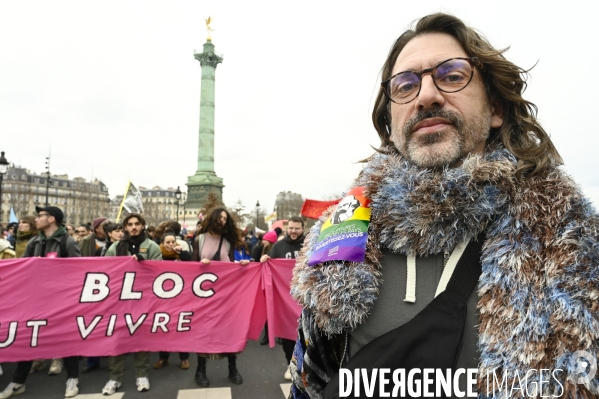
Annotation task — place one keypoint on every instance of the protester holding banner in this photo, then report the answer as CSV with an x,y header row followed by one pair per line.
x,y
216,241
172,250
136,244
52,242
26,232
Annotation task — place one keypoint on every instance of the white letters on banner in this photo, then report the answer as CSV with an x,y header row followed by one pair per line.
x,y
95,287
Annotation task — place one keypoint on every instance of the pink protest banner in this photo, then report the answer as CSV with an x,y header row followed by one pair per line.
x,y
53,308
283,312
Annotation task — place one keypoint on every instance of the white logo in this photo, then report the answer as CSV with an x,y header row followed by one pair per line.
x,y
334,250
584,367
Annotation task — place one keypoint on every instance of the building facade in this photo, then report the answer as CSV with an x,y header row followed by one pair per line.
x,y
288,205
80,200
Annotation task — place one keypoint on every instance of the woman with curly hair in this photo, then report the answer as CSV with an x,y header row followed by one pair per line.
x,y
216,241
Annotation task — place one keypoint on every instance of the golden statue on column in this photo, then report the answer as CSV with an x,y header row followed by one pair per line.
x,y
209,29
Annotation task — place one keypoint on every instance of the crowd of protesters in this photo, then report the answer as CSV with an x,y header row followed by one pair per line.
x,y
216,238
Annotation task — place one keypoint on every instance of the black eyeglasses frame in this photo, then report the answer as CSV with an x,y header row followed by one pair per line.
x,y
473,61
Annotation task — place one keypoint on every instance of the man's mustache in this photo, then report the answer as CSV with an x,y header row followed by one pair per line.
x,y
451,116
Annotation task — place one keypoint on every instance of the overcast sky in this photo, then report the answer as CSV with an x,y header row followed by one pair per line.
x,y
113,87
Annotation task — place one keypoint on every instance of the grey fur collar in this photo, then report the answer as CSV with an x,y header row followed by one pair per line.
x,y
414,211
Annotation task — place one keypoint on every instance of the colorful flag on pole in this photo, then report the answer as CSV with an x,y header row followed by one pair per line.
x,y
271,217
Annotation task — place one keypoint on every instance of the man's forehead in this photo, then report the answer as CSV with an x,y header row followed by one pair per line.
x,y
426,51
294,224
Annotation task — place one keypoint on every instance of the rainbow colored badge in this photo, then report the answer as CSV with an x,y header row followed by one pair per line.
x,y
344,234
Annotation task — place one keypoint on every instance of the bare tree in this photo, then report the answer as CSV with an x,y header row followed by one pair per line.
x,y
241,217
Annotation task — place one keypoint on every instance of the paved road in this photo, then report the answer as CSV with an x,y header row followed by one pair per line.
x,y
262,369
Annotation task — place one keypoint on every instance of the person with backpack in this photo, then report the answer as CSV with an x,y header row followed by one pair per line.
x,y
53,241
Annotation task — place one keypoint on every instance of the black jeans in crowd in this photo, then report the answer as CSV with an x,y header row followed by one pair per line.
x,y
71,365
288,346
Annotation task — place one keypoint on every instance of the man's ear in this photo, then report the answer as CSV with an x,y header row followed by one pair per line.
x,y
496,113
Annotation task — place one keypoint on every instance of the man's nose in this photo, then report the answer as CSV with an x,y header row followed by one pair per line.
x,y
430,96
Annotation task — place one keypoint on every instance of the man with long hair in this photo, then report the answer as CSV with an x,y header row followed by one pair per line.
x,y
217,239
481,252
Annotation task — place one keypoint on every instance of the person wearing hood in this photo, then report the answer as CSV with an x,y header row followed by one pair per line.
x,y
48,244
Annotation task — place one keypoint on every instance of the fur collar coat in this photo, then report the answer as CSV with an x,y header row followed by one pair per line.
x,y
539,288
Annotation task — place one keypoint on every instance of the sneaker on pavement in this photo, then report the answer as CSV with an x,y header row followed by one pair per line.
x,y
111,387
143,384
55,367
72,388
11,390
37,365
287,374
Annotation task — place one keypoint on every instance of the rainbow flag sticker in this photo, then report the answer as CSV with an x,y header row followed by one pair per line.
x,y
344,234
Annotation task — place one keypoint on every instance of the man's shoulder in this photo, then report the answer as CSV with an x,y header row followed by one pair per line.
x,y
34,239
150,243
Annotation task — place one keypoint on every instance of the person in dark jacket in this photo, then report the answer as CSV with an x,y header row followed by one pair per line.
x,y
48,244
288,248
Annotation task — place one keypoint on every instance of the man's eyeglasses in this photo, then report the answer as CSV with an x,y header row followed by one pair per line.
x,y
80,231
39,215
449,76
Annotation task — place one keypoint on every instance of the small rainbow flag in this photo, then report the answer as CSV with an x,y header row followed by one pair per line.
x,y
344,234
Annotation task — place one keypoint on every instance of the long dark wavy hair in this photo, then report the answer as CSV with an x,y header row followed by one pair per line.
x,y
211,224
504,81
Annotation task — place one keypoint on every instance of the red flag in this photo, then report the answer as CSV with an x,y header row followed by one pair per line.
x,y
313,208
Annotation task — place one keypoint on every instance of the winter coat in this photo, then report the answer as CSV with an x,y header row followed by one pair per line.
x,y
40,245
148,249
538,293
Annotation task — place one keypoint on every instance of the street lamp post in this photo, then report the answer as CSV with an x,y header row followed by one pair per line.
x,y
47,178
257,215
184,211
3,169
178,197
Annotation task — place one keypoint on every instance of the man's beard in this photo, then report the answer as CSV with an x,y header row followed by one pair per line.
x,y
442,148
